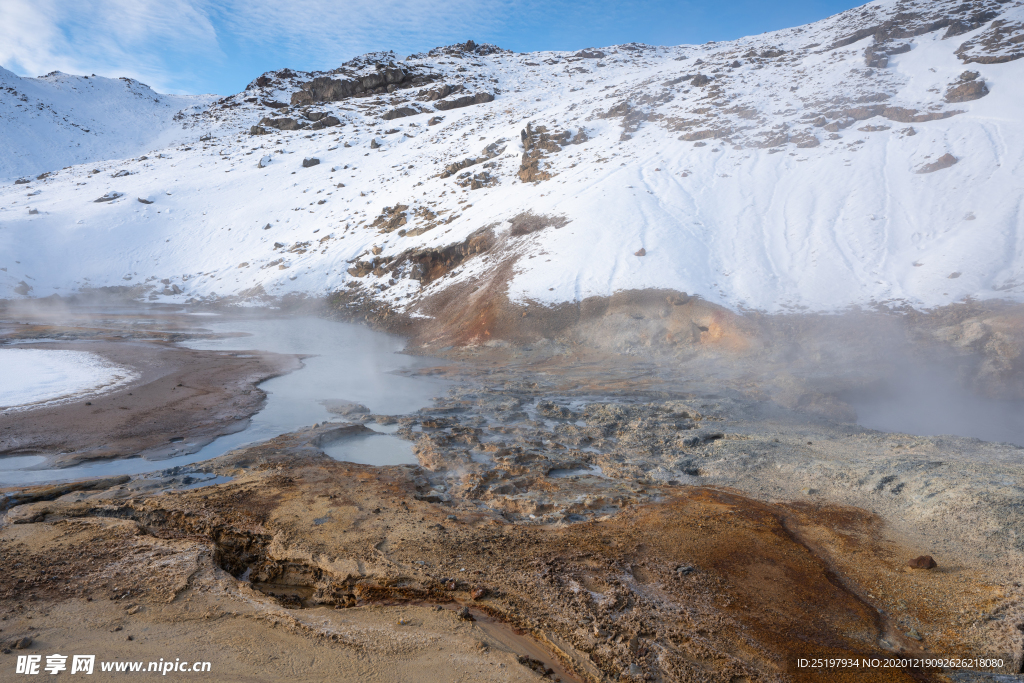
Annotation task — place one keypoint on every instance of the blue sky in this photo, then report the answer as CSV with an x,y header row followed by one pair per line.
x,y
201,46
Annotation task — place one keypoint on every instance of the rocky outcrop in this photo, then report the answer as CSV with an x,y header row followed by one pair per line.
x,y
538,143
465,101
391,218
968,88
385,79
284,123
400,112
1002,42
945,161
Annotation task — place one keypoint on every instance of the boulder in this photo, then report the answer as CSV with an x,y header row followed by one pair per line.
x,y
311,161
922,562
109,197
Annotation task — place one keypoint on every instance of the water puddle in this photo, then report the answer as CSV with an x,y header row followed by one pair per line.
x,y
342,362
591,471
372,449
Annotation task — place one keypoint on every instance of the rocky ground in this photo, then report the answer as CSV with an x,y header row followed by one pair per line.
x,y
599,516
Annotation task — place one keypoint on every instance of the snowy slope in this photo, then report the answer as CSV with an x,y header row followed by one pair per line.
x,y
58,120
805,168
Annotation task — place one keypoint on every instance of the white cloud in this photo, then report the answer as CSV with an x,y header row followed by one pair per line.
x,y
174,45
142,39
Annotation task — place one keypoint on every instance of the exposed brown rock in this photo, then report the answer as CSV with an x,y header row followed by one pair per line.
x,y
281,123
966,91
391,218
479,98
945,161
922,562
400,112
537,144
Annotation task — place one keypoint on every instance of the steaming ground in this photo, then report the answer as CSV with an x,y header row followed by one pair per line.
x,y
577,497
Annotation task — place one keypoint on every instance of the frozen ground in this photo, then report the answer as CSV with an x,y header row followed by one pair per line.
x,y
787,171
33,377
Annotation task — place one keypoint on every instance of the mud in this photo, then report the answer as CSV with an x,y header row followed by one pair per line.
x,y
181,400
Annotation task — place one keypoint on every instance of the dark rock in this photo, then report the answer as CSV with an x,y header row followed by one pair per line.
x,y
589,53
399,113
945,161
700,80
262,82
922,562
967,91
434,120
641,252
145,201
257,130
23,643
465,101
326,122
108,197
312,161
121,174
22,181
274,104
281,124
394,76
372,81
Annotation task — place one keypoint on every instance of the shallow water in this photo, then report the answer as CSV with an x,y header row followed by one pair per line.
x,y
346,363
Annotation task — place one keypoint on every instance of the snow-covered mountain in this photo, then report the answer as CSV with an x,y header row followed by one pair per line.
x,y
874,156
59,120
